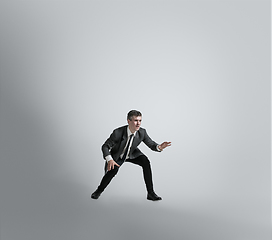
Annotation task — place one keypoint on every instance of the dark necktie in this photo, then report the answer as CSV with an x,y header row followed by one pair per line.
x,y
126,150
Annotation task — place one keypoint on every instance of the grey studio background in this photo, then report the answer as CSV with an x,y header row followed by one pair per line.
x,y
199,71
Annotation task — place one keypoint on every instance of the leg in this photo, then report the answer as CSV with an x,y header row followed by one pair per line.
x,y
107,178
145,164
105,182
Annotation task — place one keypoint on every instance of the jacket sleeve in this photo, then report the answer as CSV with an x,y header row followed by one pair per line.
x,y
150,143
109,144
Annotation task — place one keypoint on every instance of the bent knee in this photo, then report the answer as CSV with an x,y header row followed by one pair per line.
x,y
145,160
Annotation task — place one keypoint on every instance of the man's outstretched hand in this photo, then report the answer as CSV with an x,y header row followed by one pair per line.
x,y
111,165
164,145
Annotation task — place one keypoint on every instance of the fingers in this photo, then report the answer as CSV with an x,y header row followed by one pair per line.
x,y
165,144
111,164
109,167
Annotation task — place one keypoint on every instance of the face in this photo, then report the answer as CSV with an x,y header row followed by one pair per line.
x,y
135,123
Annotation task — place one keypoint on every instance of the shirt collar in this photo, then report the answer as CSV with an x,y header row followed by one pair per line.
x,y
129,132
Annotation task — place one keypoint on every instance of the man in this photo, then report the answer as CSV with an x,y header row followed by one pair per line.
x,y
121,147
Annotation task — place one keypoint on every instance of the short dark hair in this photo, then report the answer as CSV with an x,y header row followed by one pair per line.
x,y
133,113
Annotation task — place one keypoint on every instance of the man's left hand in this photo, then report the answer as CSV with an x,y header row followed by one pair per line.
x,y
164,145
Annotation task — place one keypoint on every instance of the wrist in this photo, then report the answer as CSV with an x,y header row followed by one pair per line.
x,y
108,158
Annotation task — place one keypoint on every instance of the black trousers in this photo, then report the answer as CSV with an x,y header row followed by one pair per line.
x,y
141,161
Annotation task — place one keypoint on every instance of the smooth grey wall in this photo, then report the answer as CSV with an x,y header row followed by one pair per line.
x,y
199,71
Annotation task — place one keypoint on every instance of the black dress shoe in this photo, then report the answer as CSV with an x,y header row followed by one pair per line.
x,y
96,194
153,196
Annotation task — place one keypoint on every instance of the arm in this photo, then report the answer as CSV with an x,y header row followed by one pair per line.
x,y
106,148
108,145
153,145
150,143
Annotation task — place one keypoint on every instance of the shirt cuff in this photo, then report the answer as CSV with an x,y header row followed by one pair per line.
x,y
108,158
158,148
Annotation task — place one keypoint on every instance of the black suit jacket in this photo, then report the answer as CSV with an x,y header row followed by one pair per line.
x,y
115,144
